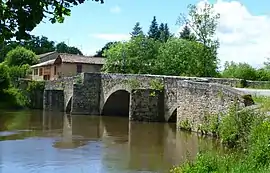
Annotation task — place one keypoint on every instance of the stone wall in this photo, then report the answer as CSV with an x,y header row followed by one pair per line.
x,y
197,101
63,84
191,98
147,105
54,100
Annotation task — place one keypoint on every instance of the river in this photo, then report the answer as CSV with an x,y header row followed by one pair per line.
x,y
42,142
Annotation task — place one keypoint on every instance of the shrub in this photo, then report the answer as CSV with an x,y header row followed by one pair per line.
x,y
14,98
4,78
20,56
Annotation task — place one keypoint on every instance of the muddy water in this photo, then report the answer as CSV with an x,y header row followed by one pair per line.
x,y
42,142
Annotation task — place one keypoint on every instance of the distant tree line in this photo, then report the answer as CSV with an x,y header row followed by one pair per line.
x,y
38,45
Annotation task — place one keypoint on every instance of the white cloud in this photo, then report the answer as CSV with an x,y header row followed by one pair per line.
x,y
112,37
244,37
115,9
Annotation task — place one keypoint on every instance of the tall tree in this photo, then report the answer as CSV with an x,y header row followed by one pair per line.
x,y
153,29
167,33
186,34
137,30
204,22
161,32
107,46
63,48
18,18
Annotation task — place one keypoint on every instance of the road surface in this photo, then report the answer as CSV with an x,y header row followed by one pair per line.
x,y
257,92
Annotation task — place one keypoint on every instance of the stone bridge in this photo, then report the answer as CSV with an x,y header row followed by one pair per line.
x,y
143,97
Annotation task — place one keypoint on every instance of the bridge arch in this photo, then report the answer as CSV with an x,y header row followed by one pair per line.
x,y
171,115
116,102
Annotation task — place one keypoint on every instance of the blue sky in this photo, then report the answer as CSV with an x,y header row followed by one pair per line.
x,y
91,25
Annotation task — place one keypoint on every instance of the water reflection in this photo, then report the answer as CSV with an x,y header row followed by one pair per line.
x,y
55,142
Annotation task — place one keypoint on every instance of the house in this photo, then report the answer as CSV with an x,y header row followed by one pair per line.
x,y
55,65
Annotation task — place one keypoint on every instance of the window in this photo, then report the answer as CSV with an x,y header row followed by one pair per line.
x,y
54,70
40,71
36,71
79,68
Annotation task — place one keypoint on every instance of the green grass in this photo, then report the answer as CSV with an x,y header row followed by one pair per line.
x,y
263,101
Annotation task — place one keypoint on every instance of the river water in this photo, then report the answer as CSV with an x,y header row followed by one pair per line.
x,y
45,142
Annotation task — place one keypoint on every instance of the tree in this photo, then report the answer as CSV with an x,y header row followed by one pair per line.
x,y
63,48
39,45
153,29
181,57
204,23
161,32
20,56
4,78
136,56
107,46
186,34
239,70
137,30
18,18
167,33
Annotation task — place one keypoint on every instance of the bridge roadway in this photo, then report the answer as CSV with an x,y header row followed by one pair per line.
x,y
255,92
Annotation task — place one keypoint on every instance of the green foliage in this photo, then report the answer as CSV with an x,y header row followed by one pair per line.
x,y
185,125
156,84
107,46
210,124
79,79
253,131
136,56
264,102
203,23
235,127
25,16
13,98
20,56
153,29
186,34
133,83
17,72
182,57
137,30
239,70
4,77
63,48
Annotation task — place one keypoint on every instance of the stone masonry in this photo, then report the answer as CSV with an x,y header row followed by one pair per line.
x,y
150,97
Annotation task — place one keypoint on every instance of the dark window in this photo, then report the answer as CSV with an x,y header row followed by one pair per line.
x,y
54,70
35,71
40,71
79,68
46,77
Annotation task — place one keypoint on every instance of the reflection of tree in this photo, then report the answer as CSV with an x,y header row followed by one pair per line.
x,y
15,121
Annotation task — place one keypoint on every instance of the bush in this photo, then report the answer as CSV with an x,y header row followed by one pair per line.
x,y
248,130
21,56
4,78
239,70
14,98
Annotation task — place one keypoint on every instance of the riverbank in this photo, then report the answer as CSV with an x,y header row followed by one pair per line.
x,y
247,132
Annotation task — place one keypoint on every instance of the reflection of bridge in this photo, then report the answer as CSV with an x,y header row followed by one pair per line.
x,y
139,145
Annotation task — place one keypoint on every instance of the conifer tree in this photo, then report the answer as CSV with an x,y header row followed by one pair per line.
x,y
186,34
137,30
167,33
153,29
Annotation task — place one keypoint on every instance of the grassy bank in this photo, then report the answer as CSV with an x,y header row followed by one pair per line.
x,y
248,133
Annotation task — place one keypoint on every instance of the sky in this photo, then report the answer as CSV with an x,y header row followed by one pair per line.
x,y
243,30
